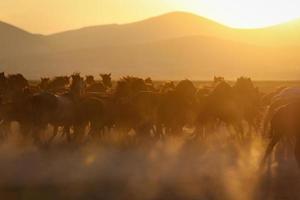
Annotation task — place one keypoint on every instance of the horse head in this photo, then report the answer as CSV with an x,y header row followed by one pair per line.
x,y
218,79
77,87
106,80
186,88
2,76
17,81
89,80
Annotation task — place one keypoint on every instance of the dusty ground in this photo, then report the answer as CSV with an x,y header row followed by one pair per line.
x,y
178,168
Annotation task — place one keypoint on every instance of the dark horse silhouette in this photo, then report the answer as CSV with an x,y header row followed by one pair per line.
x,y
57,110
285,123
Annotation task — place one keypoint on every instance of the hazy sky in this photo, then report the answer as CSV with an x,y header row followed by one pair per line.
x,y
48,16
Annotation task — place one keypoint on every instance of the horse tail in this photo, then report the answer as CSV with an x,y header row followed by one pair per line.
x,y
275,137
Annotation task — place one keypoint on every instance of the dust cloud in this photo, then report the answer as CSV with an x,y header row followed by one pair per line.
x,y
178,167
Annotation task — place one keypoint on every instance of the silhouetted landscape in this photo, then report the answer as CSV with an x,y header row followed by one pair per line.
x,y
174,106
156,47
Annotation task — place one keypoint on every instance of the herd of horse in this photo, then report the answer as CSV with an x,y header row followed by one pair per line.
x,y
81,107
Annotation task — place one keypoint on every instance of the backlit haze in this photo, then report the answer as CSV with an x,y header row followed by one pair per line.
x,y
50,16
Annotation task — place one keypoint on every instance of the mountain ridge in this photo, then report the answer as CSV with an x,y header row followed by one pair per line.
x,y
173,45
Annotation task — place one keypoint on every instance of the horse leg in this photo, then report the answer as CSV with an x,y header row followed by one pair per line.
x,y
36,130
24,130
79,131
199,132
4,129
159,131
55,132
144,132
266,122
275,139
98,129
238,126
96,132
297,151
66,131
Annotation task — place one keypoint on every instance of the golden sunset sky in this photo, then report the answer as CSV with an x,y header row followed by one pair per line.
x,y
49,16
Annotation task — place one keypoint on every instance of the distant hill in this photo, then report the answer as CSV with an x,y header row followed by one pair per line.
x,y
16,42
172,46
174,25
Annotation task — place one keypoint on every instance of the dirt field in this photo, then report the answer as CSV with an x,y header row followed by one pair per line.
x,y
177,168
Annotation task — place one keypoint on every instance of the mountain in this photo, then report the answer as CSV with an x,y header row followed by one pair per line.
x,y
15,41
194,57
174,25
172,46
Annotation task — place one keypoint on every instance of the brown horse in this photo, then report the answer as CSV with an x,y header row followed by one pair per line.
x,y
57,110
99,87
285,123
3,83
56,85
280,98
18,110
133,107
12,86
176,108
43,85
89,80
219,105
249,99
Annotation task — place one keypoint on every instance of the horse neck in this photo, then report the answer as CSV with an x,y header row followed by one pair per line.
x,y
106,84
76,90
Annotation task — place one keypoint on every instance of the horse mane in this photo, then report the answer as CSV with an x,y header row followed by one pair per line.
x,y
167,86
58,82
244,84
222,89
2,75
186,88
89,80
129,85
218,79
17,81
106,80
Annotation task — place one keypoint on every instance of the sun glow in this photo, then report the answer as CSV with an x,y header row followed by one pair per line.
x,y
243,13
51,16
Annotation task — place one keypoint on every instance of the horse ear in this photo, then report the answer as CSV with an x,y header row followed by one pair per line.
x,y
109,74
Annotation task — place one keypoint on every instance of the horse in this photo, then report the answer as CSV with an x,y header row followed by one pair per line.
x,y
56,85
57,110
89,80
17,110
219,105
43,85
3,83
281,98
134,106
285,123
167,86
249,99
12,86
176,108
99,87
